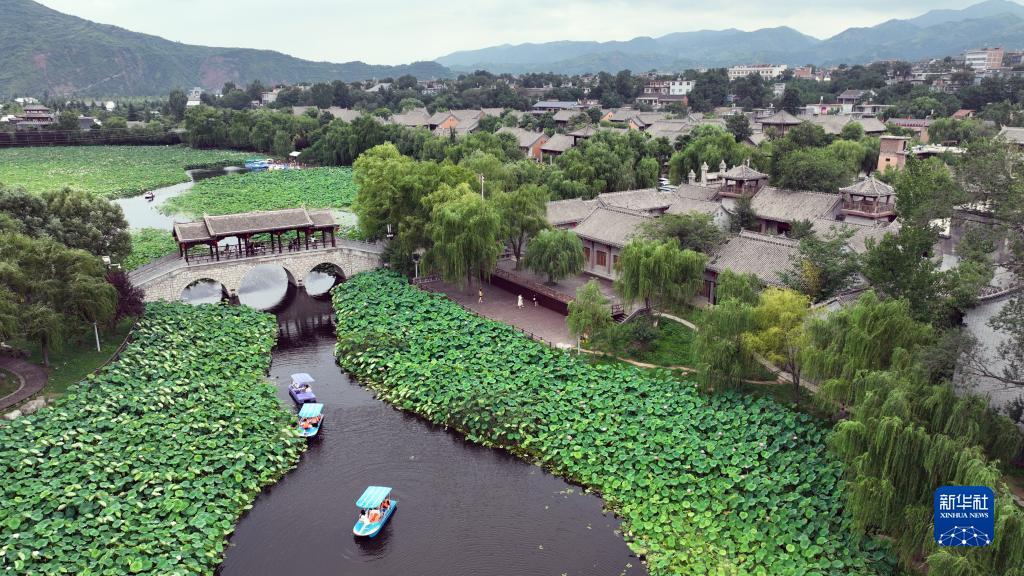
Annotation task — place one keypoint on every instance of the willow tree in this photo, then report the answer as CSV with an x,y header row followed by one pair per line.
x,y
57,290
778,335
659,273
589,313
465,232
556,254
523,215
907,435
724,359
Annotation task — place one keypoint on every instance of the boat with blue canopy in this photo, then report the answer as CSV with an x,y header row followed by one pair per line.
x,y
300,389
376,508
311,419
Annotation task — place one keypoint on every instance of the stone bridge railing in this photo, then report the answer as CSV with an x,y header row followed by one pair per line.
x,y
167,278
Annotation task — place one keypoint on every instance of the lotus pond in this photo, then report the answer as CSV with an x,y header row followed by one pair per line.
x,y
146,467
110,171
267,190
723,484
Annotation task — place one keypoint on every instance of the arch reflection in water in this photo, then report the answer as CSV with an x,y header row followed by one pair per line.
x,y
265,287
204,291
322,278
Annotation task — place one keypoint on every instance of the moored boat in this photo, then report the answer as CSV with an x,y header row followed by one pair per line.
x,y
300,389
310,419
149,196
376,509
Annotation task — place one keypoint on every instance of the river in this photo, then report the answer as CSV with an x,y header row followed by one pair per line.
x,y
464,509
142,213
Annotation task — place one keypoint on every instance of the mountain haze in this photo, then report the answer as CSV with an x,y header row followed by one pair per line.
x,y
934,34
43,51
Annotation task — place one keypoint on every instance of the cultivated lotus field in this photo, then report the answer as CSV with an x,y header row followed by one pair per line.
x,y
269,190
722,484
145,468
109,171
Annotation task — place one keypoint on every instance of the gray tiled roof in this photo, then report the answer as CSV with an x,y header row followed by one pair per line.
x,y
561,212
526,138
211,227
781,118
558,143
833,124
684,205
566,115
743,173
869,187
692,191
642,200
758,254
611,226
861,232
415,118
791,205
1012,134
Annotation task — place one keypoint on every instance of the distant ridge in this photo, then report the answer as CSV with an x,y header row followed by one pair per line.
x,y
43,51
934,34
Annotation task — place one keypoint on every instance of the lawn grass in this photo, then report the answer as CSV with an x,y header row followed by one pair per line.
x,y
673,347
110,171
270,190
8,382
78,357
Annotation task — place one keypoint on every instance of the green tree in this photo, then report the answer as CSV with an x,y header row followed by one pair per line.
x,y
322,94
556,254
204,127
465,231
852,131
926,191
723,359
176,104
778,334
694,231
814,169
282,143
710,145
659,273
731,285
67,121
589,312
523,214
739,126
900,266
823,266
791,101
73,218
744,217
57,289
647,171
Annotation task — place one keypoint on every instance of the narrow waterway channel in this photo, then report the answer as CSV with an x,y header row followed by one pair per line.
x,y
143,213
464,510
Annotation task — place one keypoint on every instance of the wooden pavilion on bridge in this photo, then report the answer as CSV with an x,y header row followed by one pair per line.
x,y
255,230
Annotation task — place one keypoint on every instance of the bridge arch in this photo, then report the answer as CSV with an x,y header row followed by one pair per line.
x,y
203,291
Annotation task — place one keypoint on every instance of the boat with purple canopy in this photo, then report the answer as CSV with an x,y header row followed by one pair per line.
x,y
300,389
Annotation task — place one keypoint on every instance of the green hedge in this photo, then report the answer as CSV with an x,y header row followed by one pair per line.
x,y
146,467
721,484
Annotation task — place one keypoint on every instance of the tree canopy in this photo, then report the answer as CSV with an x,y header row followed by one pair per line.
x,y
556,254
659,273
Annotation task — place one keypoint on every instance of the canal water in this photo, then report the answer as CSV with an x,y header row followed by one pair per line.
x,y
463,510
142,213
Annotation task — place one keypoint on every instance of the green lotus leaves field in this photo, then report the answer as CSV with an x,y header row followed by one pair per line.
x,y
146,467
110,171
722,484
269,190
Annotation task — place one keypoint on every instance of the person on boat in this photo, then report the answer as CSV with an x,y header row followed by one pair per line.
x,y
374,516
385,504
363,517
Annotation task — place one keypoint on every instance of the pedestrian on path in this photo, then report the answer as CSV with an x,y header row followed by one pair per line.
x,y
480,294
519,302
534,300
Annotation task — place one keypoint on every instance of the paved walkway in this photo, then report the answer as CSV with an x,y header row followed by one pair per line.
x,y
501,305
32,377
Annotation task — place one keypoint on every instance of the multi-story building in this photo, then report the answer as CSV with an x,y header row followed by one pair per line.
x,y
766,71
982,59
677,87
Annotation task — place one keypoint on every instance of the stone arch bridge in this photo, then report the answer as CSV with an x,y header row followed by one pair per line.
x,y
167,278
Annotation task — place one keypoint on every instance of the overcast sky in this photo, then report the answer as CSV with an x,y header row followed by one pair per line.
x,y
401,31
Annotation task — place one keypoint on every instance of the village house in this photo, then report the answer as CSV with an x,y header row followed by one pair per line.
x,y
1013,135
850,98
530,143
892,152
555,105
556,146
919,126
749,253
834,124
415,118
765,71
779,123
344,114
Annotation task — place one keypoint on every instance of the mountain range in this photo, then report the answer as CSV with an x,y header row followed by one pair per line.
x,y
934,34
45,52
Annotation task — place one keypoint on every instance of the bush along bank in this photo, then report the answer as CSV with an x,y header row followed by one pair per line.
x,y
145,467
723,485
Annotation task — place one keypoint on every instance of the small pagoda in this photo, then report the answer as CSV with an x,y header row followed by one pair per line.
x,y
869,198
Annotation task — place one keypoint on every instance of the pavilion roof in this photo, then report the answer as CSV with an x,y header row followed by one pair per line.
x,y
869,187
743,173
213,227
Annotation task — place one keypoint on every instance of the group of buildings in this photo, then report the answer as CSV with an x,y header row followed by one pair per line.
x,y
35,116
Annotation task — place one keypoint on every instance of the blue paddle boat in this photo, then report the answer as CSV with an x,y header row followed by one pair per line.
x,y
376,508
311,419
299,389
